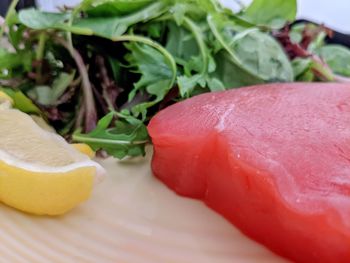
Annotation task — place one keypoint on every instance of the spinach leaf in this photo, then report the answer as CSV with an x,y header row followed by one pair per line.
x,y
337,57
255,52
40,20
262,56
36,19
231,75
104,8
115,26
271,13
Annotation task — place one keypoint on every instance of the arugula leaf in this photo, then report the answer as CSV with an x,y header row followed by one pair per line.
x,y
127,137
337,57
187,84
182,50
157,71
193,55
214,84
271,13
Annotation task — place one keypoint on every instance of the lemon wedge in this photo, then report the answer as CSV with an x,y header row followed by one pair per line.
x,y
40,173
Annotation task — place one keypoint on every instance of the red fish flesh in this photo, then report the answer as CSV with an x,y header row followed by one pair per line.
x,y
273,159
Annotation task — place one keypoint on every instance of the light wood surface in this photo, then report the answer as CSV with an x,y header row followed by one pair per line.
x,y
131,218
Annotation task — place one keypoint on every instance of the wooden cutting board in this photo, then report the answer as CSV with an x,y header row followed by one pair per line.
x,y
131,218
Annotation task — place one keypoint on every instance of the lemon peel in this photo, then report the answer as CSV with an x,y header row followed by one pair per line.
x,y
85,149
40,173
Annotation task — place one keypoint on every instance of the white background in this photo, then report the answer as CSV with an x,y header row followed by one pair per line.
x,y
334,13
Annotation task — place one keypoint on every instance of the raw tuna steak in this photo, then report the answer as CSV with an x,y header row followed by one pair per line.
x,y
273,159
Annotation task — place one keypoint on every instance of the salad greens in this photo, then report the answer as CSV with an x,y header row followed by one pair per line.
x,y
99,71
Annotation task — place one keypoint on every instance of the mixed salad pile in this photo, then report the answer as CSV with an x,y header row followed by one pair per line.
x,y
99,71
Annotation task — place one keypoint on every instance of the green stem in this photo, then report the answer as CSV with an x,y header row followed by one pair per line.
x,y
70,24
83,138
10,11
110,104
89,102
322,70
188,23
41,46
40,55
77,30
